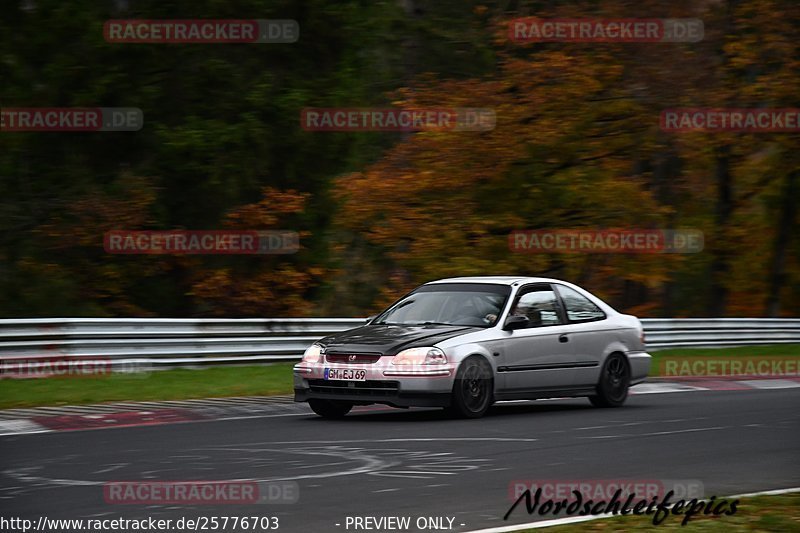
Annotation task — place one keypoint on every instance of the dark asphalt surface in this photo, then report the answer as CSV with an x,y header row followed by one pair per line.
x,y
415,463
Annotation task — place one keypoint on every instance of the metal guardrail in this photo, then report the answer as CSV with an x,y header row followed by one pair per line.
x,y
157,342
664,333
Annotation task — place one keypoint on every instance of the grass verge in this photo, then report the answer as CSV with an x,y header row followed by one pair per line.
x,y
216,382
772,350
176,384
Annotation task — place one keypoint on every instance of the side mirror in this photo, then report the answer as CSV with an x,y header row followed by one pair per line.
x,y
516,322
370,318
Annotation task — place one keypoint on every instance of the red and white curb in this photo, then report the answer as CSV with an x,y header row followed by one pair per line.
x,y
134,414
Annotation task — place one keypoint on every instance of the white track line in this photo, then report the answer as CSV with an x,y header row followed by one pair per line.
x,y
776,492
770,383
20,427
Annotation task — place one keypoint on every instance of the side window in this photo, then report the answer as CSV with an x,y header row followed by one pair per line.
x,y
578,307
540,306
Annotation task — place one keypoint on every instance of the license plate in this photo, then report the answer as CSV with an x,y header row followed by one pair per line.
x,y
346,374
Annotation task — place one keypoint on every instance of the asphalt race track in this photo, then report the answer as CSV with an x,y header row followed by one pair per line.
x,y
415,463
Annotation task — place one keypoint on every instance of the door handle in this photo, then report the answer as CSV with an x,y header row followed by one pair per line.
x,y
563,338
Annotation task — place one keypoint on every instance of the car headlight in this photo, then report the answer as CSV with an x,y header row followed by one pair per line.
x,y
426,355
313,354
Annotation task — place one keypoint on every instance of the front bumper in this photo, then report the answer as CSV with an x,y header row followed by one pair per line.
x,y
399,386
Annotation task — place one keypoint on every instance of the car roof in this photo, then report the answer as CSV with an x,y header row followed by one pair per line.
x,y
499,280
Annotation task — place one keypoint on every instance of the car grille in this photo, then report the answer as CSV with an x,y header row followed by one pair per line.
x,y
355,388
359,358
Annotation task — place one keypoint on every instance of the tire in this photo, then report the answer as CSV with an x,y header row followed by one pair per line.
x,y
615,379
473,390
330,408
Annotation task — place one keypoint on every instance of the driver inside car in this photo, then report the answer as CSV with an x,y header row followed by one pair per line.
x,y
534,316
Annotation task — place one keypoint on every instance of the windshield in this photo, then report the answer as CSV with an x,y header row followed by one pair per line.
x,y
448,304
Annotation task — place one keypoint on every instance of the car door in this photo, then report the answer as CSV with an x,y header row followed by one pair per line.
x,y
536,357
589,334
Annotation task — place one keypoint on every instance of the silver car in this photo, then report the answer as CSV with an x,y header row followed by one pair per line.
x,y
464,343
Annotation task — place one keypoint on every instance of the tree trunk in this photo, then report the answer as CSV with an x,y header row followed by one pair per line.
x,y
786,221
720,265
666,170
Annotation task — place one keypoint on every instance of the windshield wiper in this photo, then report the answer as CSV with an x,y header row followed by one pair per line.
x,y
431,323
